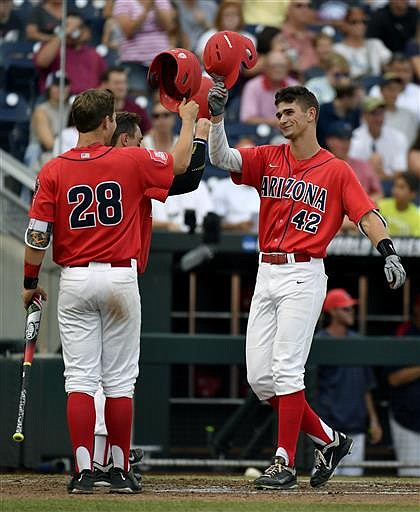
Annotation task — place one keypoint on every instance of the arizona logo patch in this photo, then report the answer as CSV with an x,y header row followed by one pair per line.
x,y
158,156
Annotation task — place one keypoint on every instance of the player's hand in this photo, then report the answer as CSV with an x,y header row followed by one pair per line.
x,y
27,295
188,111
217,98
202,128
394,271
375,431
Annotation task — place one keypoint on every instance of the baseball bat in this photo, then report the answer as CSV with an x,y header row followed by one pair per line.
x,y
33,320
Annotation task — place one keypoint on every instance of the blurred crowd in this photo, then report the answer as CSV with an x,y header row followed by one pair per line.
x,y
360,58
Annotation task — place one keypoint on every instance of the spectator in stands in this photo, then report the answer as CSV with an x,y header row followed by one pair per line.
x,y
69,138
395,24
405,403
84,66
44,21
344,107
344,398
11,26
384,147
45,123
145,26
195,17
268,39
399,118
111,32
161,136
414,156
265,12
115,79
323,44
400,211
229,17
257,105
365,56
337,74
337,137
409,97
298,37
238,207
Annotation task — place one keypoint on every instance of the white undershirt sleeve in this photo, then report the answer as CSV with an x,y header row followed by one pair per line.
x,y
221,155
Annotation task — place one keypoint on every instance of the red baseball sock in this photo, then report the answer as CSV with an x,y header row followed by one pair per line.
x,y
81,421
290,411
118,419
315,427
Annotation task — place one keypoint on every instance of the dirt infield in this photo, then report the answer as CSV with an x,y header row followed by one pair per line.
x,y
226,488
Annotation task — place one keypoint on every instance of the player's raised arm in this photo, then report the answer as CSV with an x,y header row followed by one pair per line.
x,y
183,148
373,226
221,155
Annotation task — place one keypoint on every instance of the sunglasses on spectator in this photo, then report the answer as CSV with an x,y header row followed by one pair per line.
x,y
341,74
357,22
156,115
300,5
347,309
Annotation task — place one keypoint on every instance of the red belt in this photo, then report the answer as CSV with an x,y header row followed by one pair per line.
x,y
121,263
281,259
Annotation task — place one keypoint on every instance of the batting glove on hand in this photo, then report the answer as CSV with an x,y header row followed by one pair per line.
x,y
394,271
217,98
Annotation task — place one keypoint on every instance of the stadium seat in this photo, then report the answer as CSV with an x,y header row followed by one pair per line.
x,y
14,123
19,70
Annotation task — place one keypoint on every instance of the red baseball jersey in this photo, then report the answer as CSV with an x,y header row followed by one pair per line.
x,y
303,202
94,198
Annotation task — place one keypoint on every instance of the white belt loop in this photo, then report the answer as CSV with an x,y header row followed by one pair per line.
x,y
260,255
290,258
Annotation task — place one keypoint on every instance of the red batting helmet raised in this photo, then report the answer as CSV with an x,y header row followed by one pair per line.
x,y
225,52
201,97
177,73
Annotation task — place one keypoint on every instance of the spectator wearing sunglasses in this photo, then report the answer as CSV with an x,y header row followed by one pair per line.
x,y
161,137
365,56
336,75
344,398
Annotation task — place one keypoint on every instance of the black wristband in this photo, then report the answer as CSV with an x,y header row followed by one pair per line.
x,y
30,283
386,247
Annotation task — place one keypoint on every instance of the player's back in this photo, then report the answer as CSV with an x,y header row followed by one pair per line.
x,y
92,196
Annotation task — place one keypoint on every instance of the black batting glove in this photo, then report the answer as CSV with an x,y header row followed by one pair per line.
x,y
217,98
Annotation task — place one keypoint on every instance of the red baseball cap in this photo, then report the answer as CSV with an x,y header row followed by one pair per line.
x,y
338,298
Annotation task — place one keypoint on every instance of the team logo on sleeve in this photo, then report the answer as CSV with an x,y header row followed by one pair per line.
x,y
158,156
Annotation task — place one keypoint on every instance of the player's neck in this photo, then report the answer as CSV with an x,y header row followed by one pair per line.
x,y
87,139
303,148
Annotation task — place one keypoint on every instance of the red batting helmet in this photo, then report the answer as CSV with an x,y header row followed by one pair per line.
x,y
224,53
201,97
177,73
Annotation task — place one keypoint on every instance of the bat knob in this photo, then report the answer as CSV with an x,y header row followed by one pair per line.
x,y
18,437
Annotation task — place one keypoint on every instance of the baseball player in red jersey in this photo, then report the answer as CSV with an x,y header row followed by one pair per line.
x,y
128,134
89,197
305,192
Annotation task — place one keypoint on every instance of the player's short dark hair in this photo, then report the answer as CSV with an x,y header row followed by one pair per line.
x,y
113,69
91,107
126,123
411,180
303,97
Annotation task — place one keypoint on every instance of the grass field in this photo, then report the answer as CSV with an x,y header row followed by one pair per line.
x,y
210,493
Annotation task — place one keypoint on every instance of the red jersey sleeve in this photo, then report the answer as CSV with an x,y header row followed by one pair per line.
x,y
253,164
157,168
356,202
43,202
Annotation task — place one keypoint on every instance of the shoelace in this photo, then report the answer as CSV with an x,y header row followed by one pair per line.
x,y
320,460
273,469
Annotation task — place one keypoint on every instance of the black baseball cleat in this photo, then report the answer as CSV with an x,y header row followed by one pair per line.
x,y
101,478
123,482
135,458
328,457
81,483
277,476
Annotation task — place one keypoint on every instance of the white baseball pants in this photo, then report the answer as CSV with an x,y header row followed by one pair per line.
x,y
99,317
284,311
